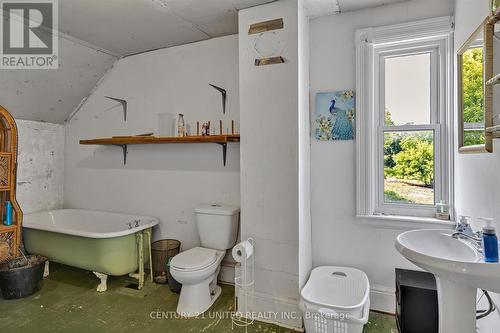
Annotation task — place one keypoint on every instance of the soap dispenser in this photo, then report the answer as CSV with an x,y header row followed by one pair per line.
x,y
490,241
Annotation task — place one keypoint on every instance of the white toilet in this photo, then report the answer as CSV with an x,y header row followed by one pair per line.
x,y
197,269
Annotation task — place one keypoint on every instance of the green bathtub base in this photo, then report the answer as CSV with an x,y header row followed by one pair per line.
x,y
111,256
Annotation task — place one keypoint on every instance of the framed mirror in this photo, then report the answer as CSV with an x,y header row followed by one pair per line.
x,y
475,98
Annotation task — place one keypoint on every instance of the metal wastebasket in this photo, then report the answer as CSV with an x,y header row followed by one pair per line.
x,y
162,251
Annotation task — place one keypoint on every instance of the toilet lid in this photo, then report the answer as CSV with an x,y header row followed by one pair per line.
x,y
195,258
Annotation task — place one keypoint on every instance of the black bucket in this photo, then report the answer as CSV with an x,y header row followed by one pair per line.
x,y
18,280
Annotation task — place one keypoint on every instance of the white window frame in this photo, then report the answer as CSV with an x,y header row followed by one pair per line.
x,y
374,45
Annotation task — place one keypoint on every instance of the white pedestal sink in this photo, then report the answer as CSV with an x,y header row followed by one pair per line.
x,y
459,270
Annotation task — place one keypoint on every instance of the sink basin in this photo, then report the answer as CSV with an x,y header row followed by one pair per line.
x,y
459,269
446,257
435,244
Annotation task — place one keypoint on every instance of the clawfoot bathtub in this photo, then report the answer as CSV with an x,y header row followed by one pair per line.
x,y
101,242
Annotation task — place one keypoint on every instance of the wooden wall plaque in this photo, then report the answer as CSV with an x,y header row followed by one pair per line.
x,y
269,61
265,26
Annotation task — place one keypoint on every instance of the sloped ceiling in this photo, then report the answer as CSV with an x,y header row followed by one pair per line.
x,y
118,28
130,26
51,95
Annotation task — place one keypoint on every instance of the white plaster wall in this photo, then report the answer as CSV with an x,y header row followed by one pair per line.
x,y
166,181
270,162
477,184
337,237
305,246
40,171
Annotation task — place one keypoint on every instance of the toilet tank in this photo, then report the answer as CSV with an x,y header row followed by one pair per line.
x,y
217,225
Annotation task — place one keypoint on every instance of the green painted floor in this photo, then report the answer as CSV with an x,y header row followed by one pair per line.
x,y
68,302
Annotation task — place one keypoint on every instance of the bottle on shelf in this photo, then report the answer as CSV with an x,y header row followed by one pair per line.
x,y
442,210
181,127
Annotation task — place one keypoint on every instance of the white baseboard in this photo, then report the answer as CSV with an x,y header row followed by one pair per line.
x,y
382,299
270,309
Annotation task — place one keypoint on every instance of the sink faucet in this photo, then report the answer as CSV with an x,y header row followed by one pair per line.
x,y
463,230
476,241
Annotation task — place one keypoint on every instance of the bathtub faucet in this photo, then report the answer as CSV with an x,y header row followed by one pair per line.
x,y
135,224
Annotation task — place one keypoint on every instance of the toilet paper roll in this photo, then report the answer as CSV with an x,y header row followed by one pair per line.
x,y
242,251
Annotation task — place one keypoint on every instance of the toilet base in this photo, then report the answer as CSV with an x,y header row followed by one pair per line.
x,y
198,298
215,294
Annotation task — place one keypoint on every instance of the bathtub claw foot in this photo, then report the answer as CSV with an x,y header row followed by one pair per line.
x,y
46,270
140,279
103,286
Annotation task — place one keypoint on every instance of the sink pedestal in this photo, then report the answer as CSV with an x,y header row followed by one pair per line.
x,y
457,307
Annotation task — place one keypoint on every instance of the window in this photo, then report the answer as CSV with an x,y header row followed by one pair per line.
x,y
404,118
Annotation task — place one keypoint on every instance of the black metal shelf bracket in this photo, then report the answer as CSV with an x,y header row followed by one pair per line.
x,y
224,151
223,94
123,103
125,152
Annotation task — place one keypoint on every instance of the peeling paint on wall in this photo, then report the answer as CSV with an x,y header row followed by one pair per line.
x,y
40,171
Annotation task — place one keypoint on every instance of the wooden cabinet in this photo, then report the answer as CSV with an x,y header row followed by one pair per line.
x,y
10,236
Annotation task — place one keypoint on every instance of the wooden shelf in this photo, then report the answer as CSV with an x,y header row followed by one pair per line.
x,y
124,141
144,140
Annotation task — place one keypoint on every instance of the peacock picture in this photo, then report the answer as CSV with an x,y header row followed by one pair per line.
x,y
335,115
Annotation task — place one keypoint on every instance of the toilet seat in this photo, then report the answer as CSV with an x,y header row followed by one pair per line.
x,y
194,259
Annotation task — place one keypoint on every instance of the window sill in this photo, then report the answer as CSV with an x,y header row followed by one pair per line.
x,y
403,222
